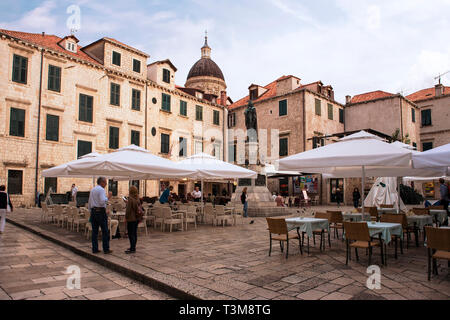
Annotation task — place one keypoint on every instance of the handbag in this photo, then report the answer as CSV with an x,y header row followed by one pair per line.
x,y
140,213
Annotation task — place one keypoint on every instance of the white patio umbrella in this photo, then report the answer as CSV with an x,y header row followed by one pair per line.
x,y
437,157
209,167
362,150
62,171
132,162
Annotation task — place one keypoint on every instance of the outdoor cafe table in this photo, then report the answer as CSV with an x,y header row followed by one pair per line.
x,y
387,210
439,215
420,221
355,217
307,225
387,230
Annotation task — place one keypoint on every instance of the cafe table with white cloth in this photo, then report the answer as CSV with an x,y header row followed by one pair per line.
x,y
387,210
420,221
439,215
355,217
386,229
308,225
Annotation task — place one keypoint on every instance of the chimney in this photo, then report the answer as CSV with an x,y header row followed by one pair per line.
x,y
348,99
43,34
223,98
439,90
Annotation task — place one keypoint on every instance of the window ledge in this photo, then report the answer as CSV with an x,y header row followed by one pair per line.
x,y
183,116
165,111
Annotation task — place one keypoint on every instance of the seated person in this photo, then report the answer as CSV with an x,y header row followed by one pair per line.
x,y
164,198
279,200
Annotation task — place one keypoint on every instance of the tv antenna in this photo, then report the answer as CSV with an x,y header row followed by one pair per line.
x,y
439,76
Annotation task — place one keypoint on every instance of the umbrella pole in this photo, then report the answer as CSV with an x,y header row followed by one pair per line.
x,y
363,182
398,195
202,197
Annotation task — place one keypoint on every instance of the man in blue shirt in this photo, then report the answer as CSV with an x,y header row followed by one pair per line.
x,y
97,206
164,198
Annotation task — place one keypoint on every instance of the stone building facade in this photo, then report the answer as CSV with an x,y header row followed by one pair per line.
x,y
59,100
291,118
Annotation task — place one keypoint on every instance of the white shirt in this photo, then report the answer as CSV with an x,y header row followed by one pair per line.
x,y
97,198
74,191
197,194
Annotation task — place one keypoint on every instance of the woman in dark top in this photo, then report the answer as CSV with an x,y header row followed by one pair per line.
x,y
5,206
131,216
356,197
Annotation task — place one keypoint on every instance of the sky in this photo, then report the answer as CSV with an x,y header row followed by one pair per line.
x,y
356,46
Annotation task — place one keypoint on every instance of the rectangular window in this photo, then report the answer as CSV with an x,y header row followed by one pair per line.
x,y
135,137
165,140
282,108
231,120
413,115
415,145
198,147
318,142
427,146
199,113
341,115
216,151
183,147
113,187
84,147
50,183
54,78
113,138
115,94
216,117
135,99
426,117
17,123
136,66
330,111
183,108
318,107
232,152
15,181
165,102
20,67
166,75
283,147
52,128
116,58
135,183
85,108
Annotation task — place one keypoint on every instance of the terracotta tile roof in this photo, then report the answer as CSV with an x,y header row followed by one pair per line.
x,y
127,46
364,97
48,41
426,94
271,92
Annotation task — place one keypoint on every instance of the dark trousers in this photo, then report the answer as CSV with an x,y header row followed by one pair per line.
x,y
356,203
132,234
445,204
99,219
196,199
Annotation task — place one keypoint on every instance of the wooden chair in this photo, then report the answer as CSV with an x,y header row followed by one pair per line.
x,y
358,232
373,211
336,222
400,219
438,243
386,206
322,215
278,231
421,211
436,207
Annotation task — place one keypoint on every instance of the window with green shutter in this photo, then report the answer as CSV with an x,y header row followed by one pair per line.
x,y
426,117
199,113
216,117
115,94
85,108
17,123
54,78
116,58
15,181
113,138
136,66
341,115
135,137
166,75
165,140
413,115
83,147
318,107
183,147
282,108
165,102
283,147
135,99
330,111
20,67
183,108
427,146
52,128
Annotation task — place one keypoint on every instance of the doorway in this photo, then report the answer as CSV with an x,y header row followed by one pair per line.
x,y
334,184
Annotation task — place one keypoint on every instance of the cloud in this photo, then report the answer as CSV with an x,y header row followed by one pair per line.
x,y
38,19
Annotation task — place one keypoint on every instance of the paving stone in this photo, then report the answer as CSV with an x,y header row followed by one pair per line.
x,y
312,295
337,296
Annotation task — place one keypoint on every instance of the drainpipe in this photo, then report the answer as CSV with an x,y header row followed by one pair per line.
x,y
145,133
401,118
38,127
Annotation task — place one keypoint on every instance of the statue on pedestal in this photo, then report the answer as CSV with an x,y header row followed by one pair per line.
x,y
251,122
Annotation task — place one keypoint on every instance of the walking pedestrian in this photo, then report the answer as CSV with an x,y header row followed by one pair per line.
x,y
356,197
97,205
245,203
132,215
74,192
338,196
5,206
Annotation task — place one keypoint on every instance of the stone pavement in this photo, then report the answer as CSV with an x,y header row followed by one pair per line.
x,y
35,269
232,262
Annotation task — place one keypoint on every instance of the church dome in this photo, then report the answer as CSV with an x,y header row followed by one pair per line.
x,y
205,67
